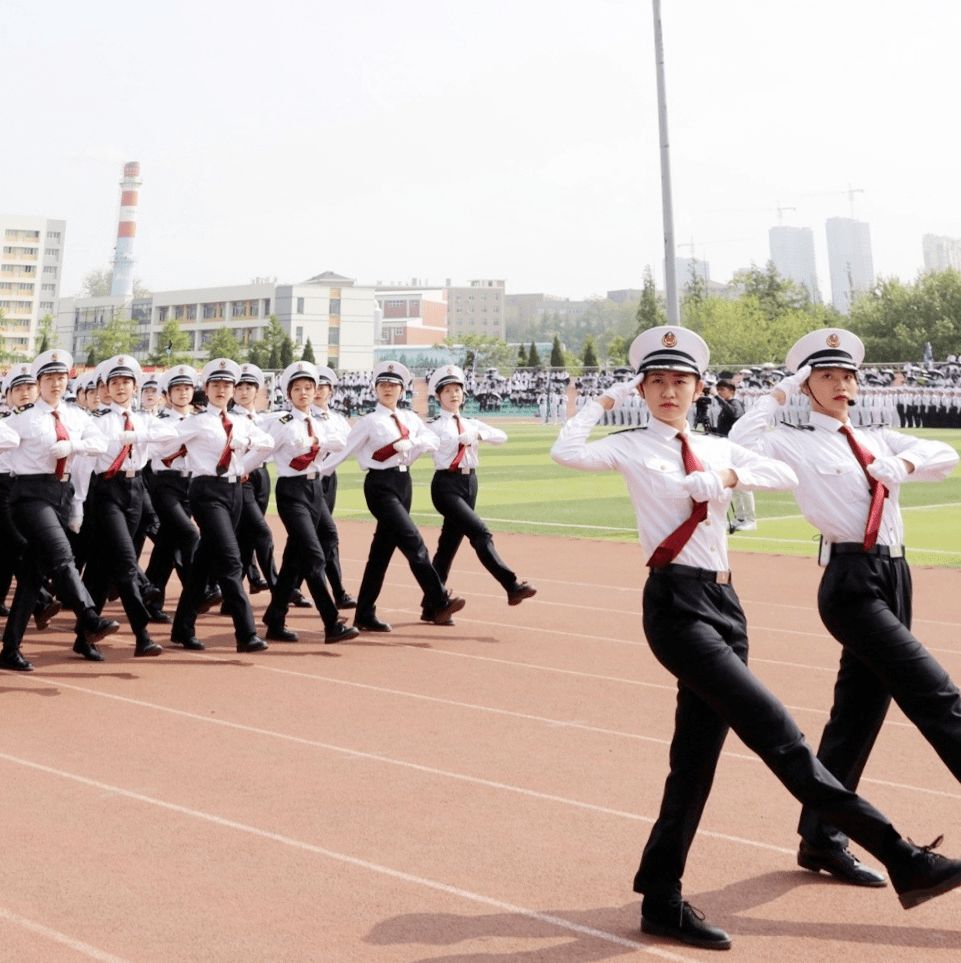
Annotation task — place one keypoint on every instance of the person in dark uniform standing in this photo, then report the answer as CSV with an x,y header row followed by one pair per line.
x,y
300,444
46,437
386,442
850,480
453,489
216,443
116,503
680,482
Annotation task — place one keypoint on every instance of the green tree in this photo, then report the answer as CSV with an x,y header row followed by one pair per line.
x,y
286,351
774,294
479,350
225,345
651,311
91,361
521,356
173,346
117,336
589,357
618,349
557,353
97,284
258,353
533,358
48,337
695,293
308,353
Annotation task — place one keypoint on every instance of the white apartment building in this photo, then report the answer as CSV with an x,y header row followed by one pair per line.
x,y
941,253
792,251
849,260
329,310
30,271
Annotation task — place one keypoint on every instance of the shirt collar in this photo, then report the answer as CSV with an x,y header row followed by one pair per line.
x,y
827,422
663,430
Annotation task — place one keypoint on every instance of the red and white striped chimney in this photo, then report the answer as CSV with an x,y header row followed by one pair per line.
x,y
123,261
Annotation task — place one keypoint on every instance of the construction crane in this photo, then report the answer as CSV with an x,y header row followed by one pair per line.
x,y
850,192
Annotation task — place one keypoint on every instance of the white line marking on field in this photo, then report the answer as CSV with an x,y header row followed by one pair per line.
x,y
57,937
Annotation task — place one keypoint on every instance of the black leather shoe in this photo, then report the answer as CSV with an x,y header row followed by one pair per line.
x,y
280,633
257,585
4,611
371,624
159,617
208,602
340,633
920,874
299,601
521,591
346,601
839,863
255,644
451,605
427,617
190,642
98,630
88,650
681,921
146,647
43,619
14,661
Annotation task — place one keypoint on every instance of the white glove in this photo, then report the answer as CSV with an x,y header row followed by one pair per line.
x,y
620,391
238,444
61,449
403,446
75,524
306,443
889,470
790,385
467,437
128,437
703,486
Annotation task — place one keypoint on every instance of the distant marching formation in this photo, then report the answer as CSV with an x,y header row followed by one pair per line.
x,y
82,485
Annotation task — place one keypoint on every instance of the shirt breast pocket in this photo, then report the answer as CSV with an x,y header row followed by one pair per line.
x,y
846,468
664,477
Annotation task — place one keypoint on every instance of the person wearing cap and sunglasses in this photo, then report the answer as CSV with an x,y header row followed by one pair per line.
x,y
386,442
680,483
301,443
849,484
116,502
216,443
48,436
453,489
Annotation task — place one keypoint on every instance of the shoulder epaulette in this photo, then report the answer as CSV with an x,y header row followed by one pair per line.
x,y
875,426
788,424
21,409
163,414
5,414
99,413
285,418
625,431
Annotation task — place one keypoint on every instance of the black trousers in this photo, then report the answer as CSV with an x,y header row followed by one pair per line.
x,y
216,505
334,575
116,507
302,509
454,495
254,535
389,493
696,630
11,539
177,540
41,506
865,603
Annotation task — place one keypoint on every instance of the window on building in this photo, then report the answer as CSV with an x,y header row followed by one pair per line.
x,y
50,271
333,335
300,305
266,306
335,305
299,335
52,252
53,235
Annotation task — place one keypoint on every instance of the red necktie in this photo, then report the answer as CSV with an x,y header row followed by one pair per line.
x,y
62,435
668,550
124,451
878,491
170,459
382,454
224,463
459,457
301,462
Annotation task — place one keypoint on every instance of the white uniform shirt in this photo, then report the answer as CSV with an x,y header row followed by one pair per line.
x,y
833,492
377,430
32,431
172,417
147,429
290,436
205,438
653,469
445,428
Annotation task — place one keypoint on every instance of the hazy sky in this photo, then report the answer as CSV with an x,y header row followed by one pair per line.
x,y
462,139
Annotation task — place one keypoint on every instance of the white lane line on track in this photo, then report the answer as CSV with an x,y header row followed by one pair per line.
x,y
303,846
57,937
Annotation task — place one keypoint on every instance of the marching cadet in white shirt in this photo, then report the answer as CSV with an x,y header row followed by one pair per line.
x,y
48,436
680,482
386,442
115,502
453,489
216,443
301,442
849,481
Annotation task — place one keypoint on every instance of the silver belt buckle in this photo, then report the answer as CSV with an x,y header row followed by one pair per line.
x,y
465,471
896,551
402,468
129,474
723,578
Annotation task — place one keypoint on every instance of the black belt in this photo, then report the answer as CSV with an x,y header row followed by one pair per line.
x,y
400,468
119,474
689,571
457,471
50,476
856,548
172,473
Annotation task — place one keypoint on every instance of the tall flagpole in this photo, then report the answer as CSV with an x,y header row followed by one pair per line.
x,y
670,272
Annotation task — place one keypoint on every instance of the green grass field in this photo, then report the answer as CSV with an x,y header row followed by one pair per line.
x,y
522,490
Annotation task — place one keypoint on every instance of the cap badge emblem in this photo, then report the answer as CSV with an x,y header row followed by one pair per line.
x,y
223,364
834,341
669,340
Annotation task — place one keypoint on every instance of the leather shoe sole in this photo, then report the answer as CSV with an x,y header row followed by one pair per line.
x,y
256,644
430,618
521,591
840,864
371,625
453,605
43,619
146,649
88,650
690,928
341,633
15,662
192,643
280,634
105,628
346,602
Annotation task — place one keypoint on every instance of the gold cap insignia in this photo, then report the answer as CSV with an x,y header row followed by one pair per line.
x,y
390,367
223,364
54,357
120,361
833,341
669,340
